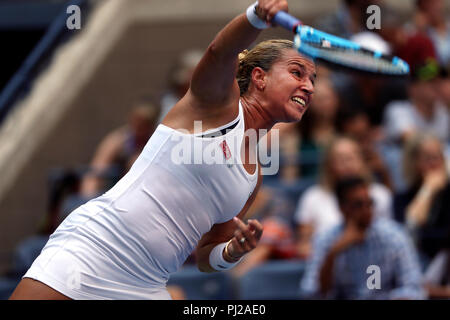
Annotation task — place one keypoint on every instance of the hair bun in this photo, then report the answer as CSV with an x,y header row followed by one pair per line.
x,y
242,55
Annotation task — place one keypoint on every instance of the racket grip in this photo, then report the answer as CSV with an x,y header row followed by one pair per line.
x,y
286,21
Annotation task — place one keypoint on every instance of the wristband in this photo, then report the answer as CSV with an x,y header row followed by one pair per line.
x,y
216,259
254,19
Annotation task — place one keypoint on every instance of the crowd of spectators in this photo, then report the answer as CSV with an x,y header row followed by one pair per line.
x,y
375,151
364,178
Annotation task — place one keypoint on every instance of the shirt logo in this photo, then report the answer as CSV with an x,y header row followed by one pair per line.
x,y
226,152
225,149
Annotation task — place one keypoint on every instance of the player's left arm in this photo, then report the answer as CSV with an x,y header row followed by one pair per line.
x,y
231,230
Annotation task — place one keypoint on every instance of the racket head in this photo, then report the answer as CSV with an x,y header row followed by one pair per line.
x,y
342,53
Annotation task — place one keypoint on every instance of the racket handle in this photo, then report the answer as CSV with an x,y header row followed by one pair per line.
x,y
287,21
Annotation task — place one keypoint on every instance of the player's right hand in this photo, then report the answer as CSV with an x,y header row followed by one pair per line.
x,y
266,9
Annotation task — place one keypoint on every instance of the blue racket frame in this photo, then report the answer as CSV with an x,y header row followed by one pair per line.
x,y
310,35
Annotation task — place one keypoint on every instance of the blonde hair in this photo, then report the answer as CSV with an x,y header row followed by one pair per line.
x,y
411,152
263,55
326,177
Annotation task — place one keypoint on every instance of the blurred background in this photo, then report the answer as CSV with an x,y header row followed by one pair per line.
x,y
77,107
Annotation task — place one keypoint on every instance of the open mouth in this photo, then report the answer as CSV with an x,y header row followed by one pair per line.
x,y
299,101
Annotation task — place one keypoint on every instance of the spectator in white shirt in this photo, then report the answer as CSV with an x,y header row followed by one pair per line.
x,y
423,111
317,210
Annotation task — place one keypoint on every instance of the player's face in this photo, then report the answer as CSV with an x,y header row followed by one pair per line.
x,y
290,86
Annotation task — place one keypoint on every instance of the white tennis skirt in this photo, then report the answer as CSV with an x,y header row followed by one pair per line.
x,y
63,270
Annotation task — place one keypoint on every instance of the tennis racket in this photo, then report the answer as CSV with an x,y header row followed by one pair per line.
x,y
338,51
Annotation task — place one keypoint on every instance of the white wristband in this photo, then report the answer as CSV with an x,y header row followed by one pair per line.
x,y
254,19
216,259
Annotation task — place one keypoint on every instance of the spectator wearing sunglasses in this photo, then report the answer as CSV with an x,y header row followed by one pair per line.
x,y
364,257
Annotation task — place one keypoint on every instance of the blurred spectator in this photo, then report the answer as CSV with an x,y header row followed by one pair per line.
x,y
179,79
367,92
318,209
425,206
275,211
430,18
120,148
339,265
409,43
437,276
422,111
317,127
418,51
355,124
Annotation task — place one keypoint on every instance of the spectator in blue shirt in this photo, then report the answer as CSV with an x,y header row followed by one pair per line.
x,y
344,258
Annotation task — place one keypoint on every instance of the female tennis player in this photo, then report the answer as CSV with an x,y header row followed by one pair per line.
x,y
125,243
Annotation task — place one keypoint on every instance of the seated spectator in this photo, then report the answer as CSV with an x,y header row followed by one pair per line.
x,y
339,267
318,209
437,276
355,123
401,117
423,111
425,206
120,148
368,93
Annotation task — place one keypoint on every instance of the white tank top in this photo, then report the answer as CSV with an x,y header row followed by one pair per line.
x,y
146,226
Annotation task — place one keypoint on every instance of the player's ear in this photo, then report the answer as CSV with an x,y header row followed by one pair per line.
x,y
259,78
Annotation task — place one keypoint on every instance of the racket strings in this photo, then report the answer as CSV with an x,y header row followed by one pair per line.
x,y
356,58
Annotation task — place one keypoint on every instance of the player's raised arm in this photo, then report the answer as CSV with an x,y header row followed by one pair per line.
x,y
213,81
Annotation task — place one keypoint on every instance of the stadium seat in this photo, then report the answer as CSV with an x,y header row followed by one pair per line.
x,y
275,280
202,286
